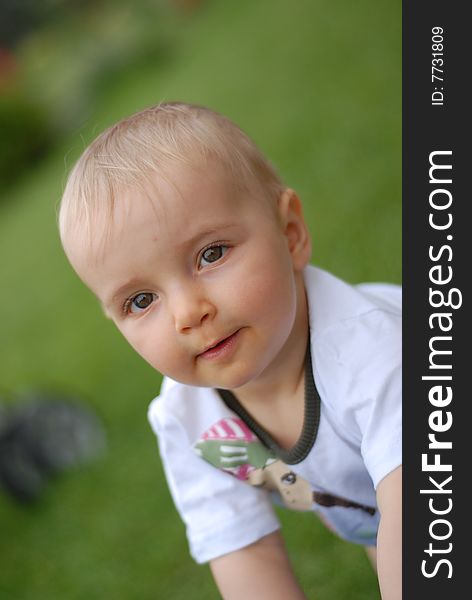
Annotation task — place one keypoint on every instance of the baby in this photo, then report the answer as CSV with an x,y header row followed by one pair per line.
x,y
282,383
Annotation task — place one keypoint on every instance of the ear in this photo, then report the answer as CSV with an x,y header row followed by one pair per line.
x,y
294,228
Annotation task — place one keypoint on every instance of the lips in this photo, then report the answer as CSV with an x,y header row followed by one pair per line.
x,y
220,348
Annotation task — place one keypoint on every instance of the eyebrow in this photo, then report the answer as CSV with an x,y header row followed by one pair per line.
x,y
202,234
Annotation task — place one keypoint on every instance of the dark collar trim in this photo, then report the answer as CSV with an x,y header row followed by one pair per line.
x,y
311,421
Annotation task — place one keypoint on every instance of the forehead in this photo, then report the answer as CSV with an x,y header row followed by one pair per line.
x,y
183,199
179,202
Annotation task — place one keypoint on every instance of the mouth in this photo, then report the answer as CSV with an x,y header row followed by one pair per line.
x,y
221,348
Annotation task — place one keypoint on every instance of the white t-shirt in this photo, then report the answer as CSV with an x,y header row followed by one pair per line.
x,y
355,338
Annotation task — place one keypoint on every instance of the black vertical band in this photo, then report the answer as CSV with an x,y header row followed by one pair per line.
x,y
436,201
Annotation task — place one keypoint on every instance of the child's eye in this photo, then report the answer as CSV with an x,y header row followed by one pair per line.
x,y
140,302
212,254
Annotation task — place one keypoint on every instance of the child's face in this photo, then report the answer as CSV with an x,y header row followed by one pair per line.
x,y
200,281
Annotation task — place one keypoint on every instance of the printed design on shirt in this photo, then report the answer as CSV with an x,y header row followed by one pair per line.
x,y
231,446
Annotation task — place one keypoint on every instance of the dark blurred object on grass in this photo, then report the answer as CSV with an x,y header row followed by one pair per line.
x,y
43,436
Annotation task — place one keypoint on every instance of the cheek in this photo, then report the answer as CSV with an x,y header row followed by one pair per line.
x,y
150,340
265,290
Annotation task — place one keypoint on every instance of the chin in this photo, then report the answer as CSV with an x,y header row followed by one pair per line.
x,y
234,381
225,383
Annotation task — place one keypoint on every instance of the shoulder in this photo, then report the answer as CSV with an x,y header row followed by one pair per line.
x,y
185,409
353,328
222,513
332,301
356,341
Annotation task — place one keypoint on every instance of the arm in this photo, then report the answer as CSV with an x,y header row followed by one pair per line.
x,y
389,539
260,571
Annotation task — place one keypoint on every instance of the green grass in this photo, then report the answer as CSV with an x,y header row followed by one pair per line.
x,y
317,84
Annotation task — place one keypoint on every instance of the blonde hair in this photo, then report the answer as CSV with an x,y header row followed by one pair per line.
x,y
132,152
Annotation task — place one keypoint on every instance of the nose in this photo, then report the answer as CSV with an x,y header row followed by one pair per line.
x,y
191,308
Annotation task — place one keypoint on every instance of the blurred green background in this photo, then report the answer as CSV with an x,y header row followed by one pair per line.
x,y
317,84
